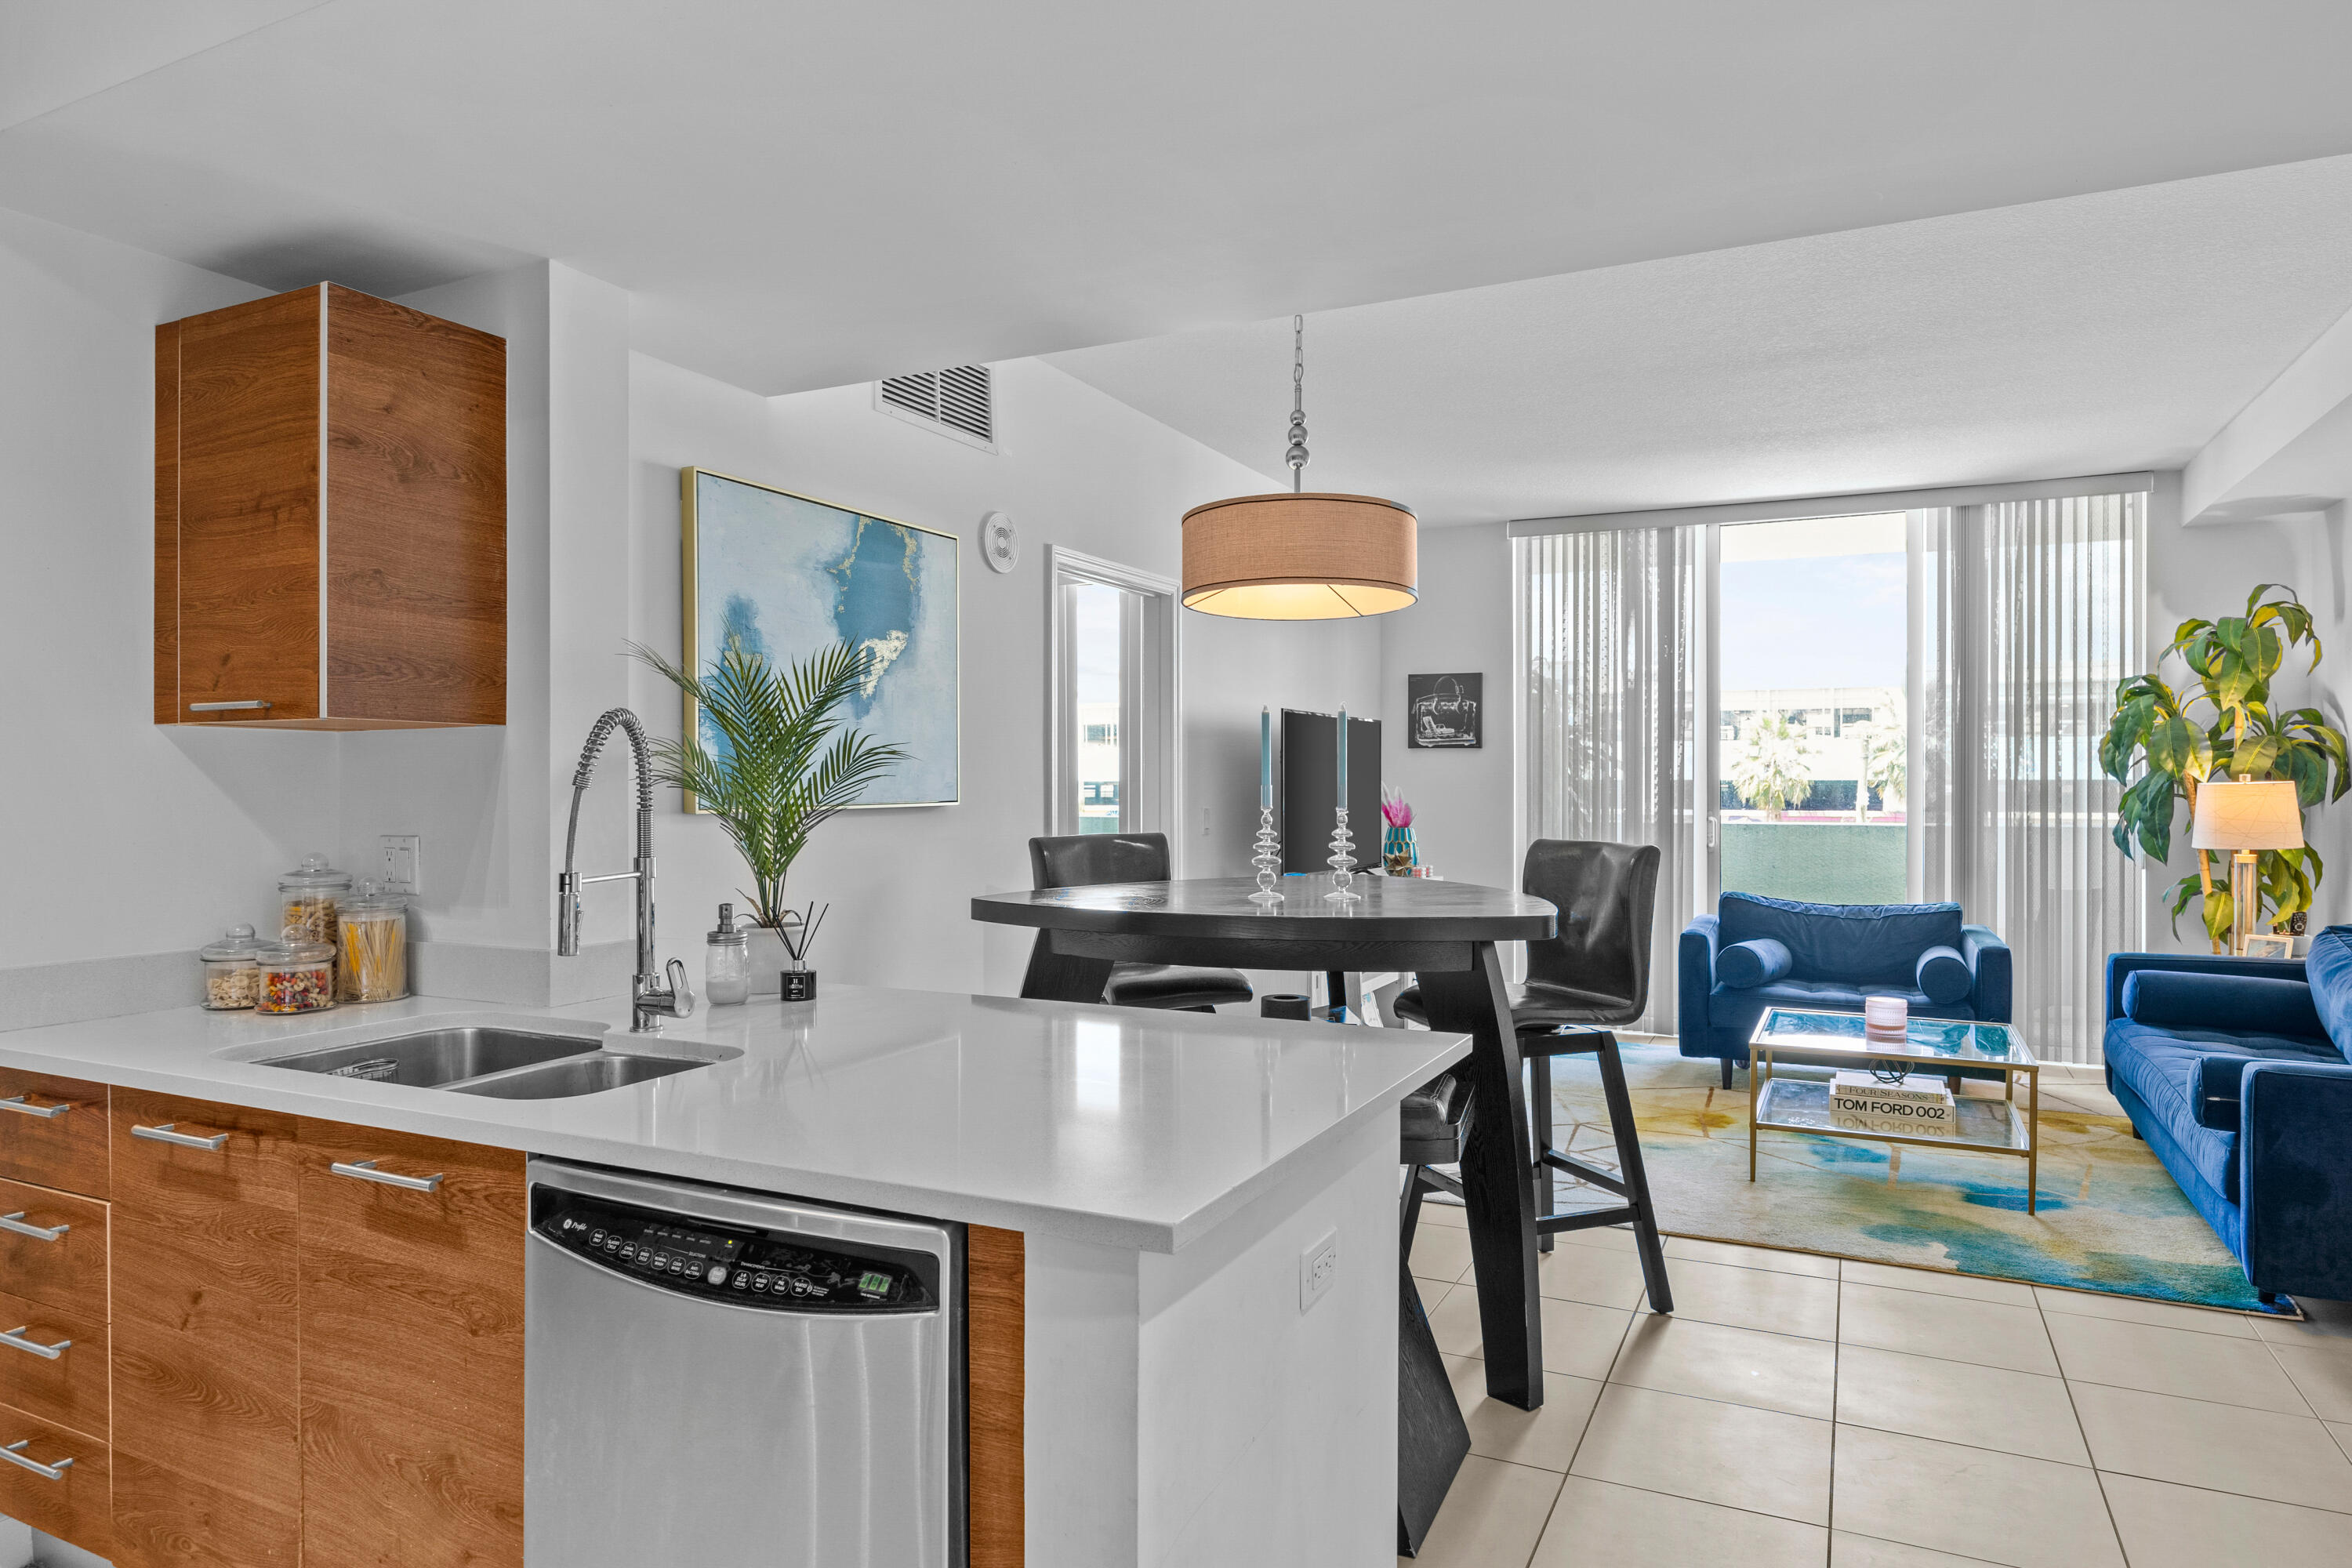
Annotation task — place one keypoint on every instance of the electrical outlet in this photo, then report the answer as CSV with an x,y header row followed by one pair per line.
x,y
1318,1266
403,865
1204,822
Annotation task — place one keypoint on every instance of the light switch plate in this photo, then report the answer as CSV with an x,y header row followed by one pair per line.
x,y
403,869
1318,1266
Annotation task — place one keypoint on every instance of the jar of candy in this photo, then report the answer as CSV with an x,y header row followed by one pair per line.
x,y
373,965
309,900
296,977
232,980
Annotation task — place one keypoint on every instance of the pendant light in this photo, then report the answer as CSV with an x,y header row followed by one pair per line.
x,y
1305,556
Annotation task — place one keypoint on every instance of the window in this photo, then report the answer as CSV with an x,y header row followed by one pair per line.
x,y
1113,767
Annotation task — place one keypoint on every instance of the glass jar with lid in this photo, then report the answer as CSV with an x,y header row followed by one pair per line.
x,y
726,970
309,900
296,977
373,962
231,980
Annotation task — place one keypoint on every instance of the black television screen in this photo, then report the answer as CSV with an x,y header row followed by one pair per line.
x,y
1310,789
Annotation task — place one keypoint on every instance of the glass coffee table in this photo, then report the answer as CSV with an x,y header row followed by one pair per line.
x,y
1931,1047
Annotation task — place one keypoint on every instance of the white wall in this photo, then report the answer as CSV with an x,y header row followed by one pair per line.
x,y
1073,467
1465,812
121,838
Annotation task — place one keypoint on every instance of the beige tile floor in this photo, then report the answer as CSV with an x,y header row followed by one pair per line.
x,y
1802,1410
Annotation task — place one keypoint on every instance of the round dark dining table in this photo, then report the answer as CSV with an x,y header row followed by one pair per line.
x,y
1443,931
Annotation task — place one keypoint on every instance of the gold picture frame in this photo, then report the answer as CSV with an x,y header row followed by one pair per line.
x,y
691,563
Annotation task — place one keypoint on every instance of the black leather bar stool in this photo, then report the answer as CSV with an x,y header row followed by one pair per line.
x,y
1592,976
1085,859
1432,1437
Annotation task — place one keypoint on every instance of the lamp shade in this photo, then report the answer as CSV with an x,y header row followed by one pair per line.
x,y
2254,813
1299,557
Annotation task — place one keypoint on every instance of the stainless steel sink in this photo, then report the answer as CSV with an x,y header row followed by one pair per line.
x,y
591,1074
441,1057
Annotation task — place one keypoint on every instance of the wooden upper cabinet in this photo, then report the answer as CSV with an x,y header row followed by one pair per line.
x,y
331,499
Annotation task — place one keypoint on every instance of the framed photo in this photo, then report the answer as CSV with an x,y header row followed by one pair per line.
x,y
1444,712
786,574
2270,947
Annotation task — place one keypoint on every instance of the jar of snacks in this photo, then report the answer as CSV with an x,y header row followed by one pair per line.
x,y
309,900
296,977
231,980
373,965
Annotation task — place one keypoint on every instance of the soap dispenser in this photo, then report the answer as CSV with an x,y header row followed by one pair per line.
x,y
727,970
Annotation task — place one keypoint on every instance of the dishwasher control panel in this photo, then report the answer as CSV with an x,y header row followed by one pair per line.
x,y
769,1269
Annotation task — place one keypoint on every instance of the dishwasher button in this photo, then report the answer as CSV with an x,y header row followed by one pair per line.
x,y
718,1274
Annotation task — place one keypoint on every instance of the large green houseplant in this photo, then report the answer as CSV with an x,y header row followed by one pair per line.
x,y
2220,722
786,764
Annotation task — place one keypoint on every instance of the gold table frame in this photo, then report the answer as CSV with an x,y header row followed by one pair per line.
x,y
1764,1049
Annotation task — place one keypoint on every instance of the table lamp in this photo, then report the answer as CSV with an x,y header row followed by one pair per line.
x,y
2244,815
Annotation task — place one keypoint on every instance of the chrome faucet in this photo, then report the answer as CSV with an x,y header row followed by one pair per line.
x,y
649,998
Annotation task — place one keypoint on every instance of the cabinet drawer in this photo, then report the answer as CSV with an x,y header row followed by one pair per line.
x,y
165,1518
68,1388
161,1175
45,1146
66,1267
71,1504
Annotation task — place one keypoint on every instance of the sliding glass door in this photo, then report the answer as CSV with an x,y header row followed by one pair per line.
x,y
1880,707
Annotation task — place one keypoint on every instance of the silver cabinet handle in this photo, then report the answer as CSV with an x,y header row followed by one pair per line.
x,y
14,1453
224,707
15,1339
15,1222
164,1134
366,1171
22,1107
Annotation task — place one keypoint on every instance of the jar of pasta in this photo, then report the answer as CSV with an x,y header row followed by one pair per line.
x,y
232,980
373,965
309,900
296,977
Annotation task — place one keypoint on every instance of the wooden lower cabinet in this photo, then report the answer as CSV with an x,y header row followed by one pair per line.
x,y
67,1384
207,1359
412,1326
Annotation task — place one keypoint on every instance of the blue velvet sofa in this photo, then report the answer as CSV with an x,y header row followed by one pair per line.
x,y
1756,952
2232,1071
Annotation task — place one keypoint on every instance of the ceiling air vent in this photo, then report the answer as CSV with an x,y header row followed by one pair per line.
x,y
957,401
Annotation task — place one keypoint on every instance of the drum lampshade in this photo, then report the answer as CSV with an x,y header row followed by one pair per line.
x,y
1300,557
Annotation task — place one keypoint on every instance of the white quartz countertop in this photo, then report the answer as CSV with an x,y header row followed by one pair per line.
x,y
1121,1126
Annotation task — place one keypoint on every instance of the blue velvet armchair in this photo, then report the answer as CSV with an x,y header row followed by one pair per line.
x,y
1756,952
2232,1071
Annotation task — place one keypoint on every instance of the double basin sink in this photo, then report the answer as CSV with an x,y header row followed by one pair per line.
x,y
507,1064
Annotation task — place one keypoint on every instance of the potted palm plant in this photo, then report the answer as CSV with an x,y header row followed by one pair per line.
x,y
775,763
2220,722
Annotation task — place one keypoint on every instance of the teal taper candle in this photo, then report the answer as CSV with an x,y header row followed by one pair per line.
x,y
1264,759
1343,759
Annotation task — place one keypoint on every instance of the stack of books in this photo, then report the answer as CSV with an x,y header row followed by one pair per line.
x,y
1859,1103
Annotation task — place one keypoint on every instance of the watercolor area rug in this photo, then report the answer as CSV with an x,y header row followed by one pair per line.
x,y
2110,1217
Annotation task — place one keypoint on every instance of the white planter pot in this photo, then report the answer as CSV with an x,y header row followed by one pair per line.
x,y
768,960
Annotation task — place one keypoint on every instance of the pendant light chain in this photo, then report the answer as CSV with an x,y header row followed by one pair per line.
x,y
1296,455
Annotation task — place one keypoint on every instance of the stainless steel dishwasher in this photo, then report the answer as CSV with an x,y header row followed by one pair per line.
x,y
734,1380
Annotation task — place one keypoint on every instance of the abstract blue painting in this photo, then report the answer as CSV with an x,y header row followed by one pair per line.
x,y
785,576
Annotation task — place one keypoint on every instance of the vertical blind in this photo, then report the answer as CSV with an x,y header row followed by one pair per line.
x,y
2029,613
1611,634
2033,614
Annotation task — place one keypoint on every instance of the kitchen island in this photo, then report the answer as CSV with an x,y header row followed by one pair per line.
x,y
1151,1379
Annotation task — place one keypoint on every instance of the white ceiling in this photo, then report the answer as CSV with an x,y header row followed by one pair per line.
x,y
801,195
2087,336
